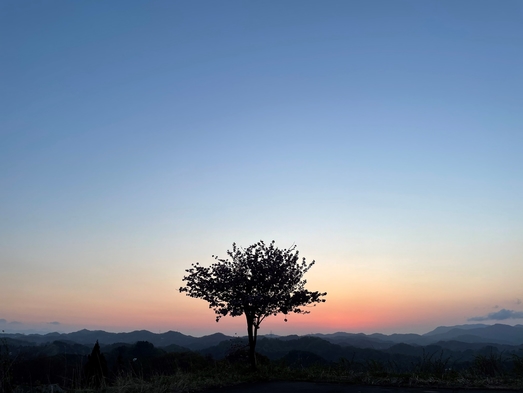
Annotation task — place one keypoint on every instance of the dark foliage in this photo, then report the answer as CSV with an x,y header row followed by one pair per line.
x,y
6,372
96,367
142,360
304,357
257,282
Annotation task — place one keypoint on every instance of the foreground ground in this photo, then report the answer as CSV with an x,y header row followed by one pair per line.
x,y
320,387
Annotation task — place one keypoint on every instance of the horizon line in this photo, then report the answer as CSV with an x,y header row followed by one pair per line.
x,y
30,332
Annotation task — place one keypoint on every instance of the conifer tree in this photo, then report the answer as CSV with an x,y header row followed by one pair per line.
x,y
96,367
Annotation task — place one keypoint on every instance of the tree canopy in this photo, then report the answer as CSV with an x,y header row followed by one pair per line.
x,y
258,281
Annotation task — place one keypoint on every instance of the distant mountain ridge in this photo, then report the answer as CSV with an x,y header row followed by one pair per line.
x,y
88,337
476,333
499,334
65,355
445,329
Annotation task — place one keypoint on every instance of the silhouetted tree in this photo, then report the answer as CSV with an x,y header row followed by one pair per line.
x,y
258,281
6,363
96,367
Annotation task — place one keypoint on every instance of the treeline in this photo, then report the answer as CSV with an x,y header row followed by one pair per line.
x,y
75,366
400,358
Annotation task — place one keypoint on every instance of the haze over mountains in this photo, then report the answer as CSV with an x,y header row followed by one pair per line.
x,y
474,333
455,347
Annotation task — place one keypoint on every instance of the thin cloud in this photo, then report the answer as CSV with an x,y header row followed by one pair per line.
x,y
518,301
499,315
2,320
15,323
54,323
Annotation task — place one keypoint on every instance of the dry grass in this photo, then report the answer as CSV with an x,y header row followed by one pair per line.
x,y
224,375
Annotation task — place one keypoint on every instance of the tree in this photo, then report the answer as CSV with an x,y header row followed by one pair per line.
x,y
96,367
258,281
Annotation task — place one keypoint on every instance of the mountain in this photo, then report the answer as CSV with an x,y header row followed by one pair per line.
x,y
278,349
445,329
89,337
357,352
206,341
359,340
495,335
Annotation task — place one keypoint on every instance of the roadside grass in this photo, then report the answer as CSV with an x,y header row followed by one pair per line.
x,y
224,374
195,374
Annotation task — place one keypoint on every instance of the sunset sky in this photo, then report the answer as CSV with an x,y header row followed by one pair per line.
x,y
383,138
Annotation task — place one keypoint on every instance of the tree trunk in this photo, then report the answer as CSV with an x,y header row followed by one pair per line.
x,y
252,332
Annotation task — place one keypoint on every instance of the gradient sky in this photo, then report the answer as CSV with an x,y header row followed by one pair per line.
x,y
383,138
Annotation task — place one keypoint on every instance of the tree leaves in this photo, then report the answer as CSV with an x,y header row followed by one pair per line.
x,y
258,281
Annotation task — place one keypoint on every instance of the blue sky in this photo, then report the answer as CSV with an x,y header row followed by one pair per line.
x,y
382,137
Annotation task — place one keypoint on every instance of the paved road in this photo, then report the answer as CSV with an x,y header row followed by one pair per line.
x,y
314,387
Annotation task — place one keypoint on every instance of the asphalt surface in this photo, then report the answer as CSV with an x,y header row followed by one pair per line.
x,y
314,387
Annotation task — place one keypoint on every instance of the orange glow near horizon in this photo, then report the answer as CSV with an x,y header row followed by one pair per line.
x,y
357,311
361,299
353,318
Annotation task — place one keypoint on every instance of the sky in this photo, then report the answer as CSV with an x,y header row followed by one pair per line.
x,y
382,138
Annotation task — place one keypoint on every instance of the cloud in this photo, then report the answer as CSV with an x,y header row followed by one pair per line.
x,y
499,315
2,320
54,323
518,301
496,306
15,323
